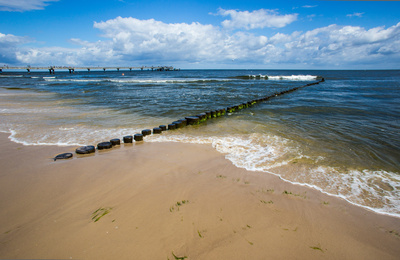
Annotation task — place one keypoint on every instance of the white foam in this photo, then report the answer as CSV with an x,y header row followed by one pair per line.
x,y
67,136
11,76
289,78
378,191
293,77
131,80
254,152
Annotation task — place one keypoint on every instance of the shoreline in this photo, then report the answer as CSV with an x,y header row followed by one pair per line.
x,y
276,171
166,199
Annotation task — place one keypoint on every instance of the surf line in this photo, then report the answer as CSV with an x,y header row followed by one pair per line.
x,y
189,120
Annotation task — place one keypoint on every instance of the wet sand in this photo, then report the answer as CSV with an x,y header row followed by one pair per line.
x,y
169,201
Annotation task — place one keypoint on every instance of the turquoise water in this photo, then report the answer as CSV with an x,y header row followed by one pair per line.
x,y
341,136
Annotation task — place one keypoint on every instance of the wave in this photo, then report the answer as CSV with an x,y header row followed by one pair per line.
x,y
136,81
288,78
11,76
67,136
376,190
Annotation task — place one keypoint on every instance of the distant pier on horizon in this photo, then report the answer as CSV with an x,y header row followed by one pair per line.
x,y
72,69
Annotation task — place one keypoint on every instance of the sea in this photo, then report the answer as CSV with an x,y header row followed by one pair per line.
x,y
341,136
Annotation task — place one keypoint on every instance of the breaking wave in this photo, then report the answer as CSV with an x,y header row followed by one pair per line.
x,y
288,78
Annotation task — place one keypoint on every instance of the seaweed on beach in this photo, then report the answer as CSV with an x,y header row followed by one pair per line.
x,y
394,233
179,257
267,202
295,194
178,204
99,213
317,248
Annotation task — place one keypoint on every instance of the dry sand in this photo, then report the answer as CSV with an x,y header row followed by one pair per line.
x,y
166,199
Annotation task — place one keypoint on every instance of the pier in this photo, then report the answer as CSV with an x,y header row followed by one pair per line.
x,y
72,69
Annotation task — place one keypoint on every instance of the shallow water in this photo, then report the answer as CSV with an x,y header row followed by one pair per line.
x,y
340,136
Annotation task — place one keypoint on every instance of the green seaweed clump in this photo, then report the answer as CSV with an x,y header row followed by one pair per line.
x,y
178,257
317,248
99,213
178,204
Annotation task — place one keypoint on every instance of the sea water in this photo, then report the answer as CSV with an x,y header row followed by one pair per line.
x,y
341,136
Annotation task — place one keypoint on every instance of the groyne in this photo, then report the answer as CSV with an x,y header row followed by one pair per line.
x,y
183,122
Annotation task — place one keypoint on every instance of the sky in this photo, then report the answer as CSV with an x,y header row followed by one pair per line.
x,y
201,34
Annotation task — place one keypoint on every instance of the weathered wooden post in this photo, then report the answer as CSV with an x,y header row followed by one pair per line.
x,y
146,132
128,139
85,149
104,145
157,130
193,120
115,142
138,137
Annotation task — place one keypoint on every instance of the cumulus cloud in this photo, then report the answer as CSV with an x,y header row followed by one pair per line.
x,y
131,41
257,19
9,46
345,45
23,5
150,38
140,39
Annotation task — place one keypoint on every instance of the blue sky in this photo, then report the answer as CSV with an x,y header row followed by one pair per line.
x,y
202,34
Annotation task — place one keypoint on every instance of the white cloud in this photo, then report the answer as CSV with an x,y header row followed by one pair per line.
x,y
23,5
257,19
346,45
309,6
150,38
8,47
355,14
311,16
130,41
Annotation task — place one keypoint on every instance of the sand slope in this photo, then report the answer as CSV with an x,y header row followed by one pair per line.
x,y
166,199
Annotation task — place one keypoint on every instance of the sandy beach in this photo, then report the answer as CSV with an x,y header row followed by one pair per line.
x,y
172,201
